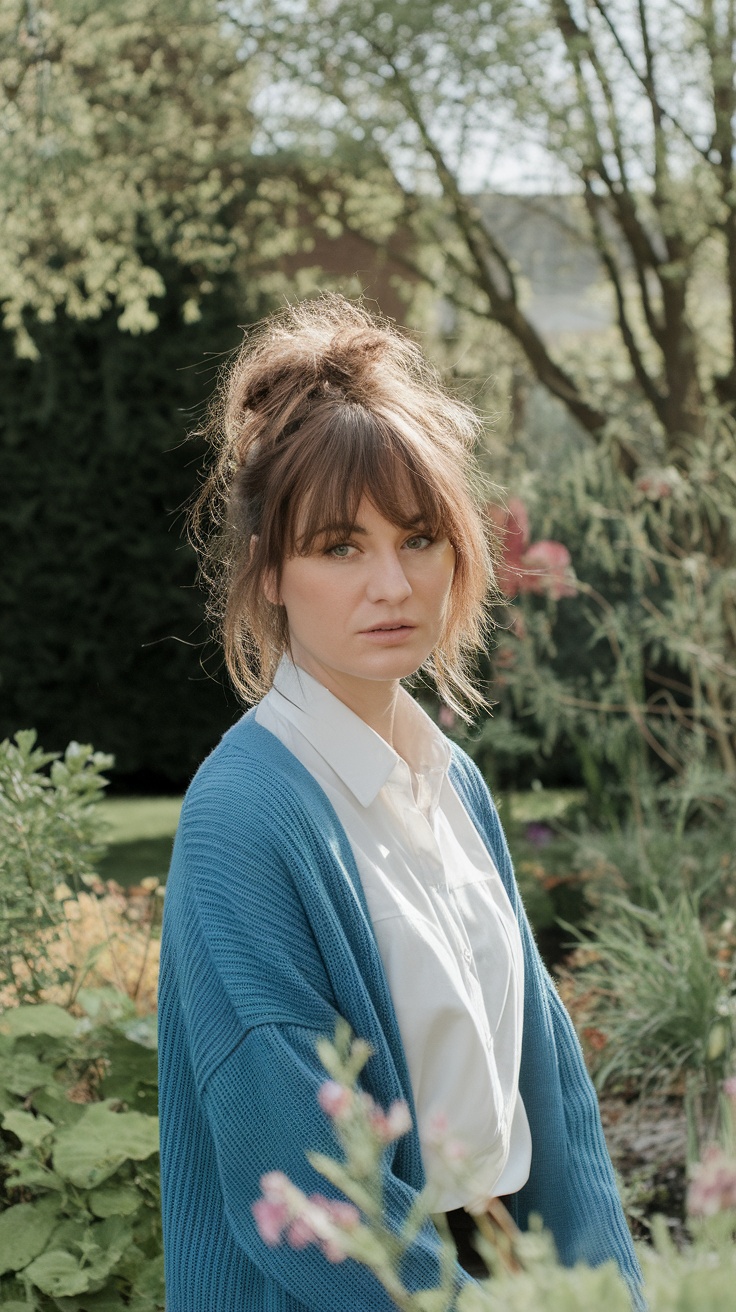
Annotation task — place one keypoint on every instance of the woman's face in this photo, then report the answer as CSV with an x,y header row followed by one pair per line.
x,y
369,604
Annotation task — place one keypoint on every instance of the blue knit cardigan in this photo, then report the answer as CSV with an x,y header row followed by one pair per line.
x,y
266,940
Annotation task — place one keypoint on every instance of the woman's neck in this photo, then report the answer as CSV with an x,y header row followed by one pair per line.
x,y
373,700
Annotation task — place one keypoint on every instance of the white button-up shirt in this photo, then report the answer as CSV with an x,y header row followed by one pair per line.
x,y
445,929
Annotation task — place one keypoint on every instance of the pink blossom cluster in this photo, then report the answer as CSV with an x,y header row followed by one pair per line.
x,y
452,1151
712,1186
542,567
285,1213
337,1101
656,484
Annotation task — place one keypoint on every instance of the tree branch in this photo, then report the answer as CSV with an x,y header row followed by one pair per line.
x,y
484,252
647,384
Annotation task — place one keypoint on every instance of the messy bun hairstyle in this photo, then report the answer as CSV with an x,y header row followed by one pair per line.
x,y
322,404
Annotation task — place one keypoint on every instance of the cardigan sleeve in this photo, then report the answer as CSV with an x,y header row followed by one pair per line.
x,y
262,1110
585,1216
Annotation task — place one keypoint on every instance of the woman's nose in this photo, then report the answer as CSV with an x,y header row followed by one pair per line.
x,y
387,581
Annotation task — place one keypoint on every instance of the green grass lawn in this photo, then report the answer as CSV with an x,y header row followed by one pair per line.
x,y
140,830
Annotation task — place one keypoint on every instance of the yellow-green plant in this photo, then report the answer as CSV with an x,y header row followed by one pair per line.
x,y
49,837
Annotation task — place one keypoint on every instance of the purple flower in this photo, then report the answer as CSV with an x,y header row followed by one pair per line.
x,y
538,835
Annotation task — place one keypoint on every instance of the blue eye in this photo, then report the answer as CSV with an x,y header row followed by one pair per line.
x,y
339,551
418,537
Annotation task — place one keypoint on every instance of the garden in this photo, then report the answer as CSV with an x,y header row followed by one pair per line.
x,y
156,193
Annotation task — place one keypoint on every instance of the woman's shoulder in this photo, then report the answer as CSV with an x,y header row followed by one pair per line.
x,y
250,786
468,779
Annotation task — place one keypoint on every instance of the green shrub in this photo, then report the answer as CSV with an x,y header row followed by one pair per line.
x,y
658,994
105,639
49,838
80,1228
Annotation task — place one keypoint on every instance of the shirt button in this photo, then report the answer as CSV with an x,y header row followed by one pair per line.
x,y
489,1042
468,955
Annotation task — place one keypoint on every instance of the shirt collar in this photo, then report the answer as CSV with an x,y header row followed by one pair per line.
x,y
358,755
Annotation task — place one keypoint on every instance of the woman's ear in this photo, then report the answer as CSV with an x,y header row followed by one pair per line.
x,y
270,591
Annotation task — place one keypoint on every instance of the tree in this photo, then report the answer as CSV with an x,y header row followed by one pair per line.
x,y
126,145
634,104
630,107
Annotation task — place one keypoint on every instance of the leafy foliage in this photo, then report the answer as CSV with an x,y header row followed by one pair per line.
x,y
655,990
637,671
123,128
415,109
80,1227
48,839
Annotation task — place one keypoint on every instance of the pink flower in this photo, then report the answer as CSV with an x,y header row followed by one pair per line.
x,y
391,1125
729,1086
285,1213
712,1186
547,569
656,484
270,1218
398,1119
446,717
438,1137
344,1215
300,1233
276,1186
334,1099
540,567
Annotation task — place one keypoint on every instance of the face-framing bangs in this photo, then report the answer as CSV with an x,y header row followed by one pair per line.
x,y
350,454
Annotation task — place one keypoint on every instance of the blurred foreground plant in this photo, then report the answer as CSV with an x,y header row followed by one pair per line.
x,y
524,1271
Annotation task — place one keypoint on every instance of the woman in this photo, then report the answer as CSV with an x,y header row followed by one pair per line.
x,y
336,856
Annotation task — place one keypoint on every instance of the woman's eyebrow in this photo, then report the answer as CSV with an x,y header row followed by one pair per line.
x,y
330,529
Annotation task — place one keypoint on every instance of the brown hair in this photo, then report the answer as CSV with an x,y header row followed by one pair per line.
x,y
322,404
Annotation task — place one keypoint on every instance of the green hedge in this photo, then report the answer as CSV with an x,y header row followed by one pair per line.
x,y
104,638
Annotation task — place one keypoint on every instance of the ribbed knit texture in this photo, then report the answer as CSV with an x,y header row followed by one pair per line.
x,y
267,940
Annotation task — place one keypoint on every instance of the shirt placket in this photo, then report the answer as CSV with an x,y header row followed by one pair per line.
x,y
425,847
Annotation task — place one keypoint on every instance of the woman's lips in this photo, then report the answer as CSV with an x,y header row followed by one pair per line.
x,y
389,636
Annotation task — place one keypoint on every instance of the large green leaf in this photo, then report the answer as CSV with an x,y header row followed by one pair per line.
x,y
24,1232
114,1200
59,1274
93,1149
30,1174
39,1018
22,1073
133,1073
28,1128
149,1284
53,1102
106,1004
